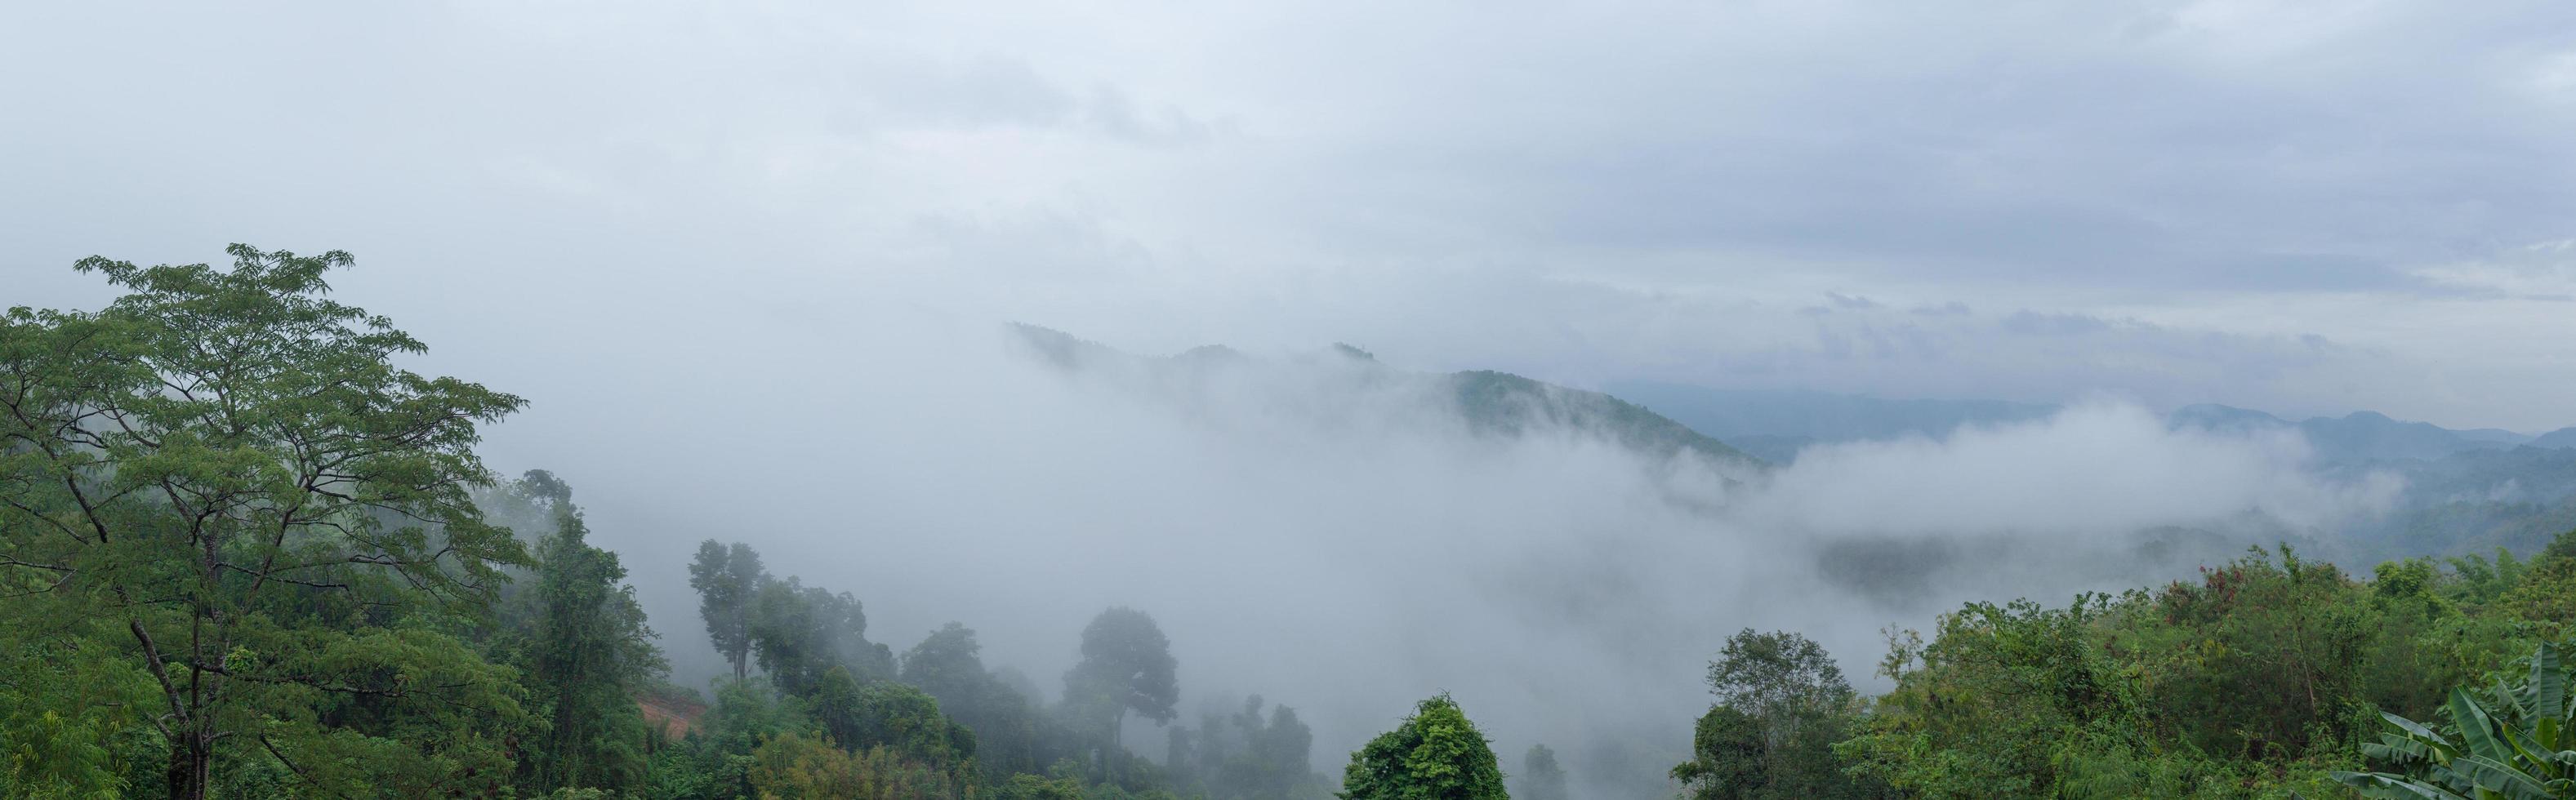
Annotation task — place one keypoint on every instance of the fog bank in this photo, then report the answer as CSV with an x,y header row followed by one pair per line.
x,y
1329,533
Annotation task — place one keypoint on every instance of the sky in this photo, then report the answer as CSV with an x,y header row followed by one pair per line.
x,y
749,262
2310,208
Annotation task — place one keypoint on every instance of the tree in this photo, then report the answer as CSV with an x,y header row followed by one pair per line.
x,y
2547,593
1730,757
1781,704
1541,778
799,632
792,767
948,664
226,469
891,715
587,654
1126,666
1436,754
1011,736
1781,678
1246,755
727,578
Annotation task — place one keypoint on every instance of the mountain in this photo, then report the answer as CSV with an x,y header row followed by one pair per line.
x,y
2216,418
1504,402
2465,491
1777,424
1491,403
2372,435
2474,502
1784,417
2563,437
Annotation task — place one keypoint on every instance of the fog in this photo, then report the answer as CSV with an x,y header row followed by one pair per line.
x,y
756,267
1327,531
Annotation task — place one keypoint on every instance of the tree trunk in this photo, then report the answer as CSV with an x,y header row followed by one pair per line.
x,y
190,768
1117,747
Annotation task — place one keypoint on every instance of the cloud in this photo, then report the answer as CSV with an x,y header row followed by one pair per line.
x,y
2543,271
2190,166
1328,534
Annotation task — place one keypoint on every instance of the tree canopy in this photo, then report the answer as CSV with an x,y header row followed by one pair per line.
x,y
1436,754
224,476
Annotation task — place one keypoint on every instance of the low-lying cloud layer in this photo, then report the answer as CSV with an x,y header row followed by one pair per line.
x,y
1329,534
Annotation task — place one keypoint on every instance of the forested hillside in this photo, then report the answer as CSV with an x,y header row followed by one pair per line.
x,y
245,553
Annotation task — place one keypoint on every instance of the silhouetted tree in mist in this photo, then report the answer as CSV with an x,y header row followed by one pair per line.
x,y
727,579
1126,666
1540,778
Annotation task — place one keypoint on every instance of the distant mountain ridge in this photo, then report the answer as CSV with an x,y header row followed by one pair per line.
x,y
2369,435
2466,491
1775,424
1490,402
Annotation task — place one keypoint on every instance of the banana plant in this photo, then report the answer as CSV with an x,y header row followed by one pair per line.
x,y
2513,746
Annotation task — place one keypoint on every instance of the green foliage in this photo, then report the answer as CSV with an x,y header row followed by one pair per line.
x,y
226,467
1782,703
794,767
2547,593
2513,744
2252,682
727,578
1436,754
1031,787
1730,756
2000,704
893,716
244,555
799,633
587,654
68,722
2480,582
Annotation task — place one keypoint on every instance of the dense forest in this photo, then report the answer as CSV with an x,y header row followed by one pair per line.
x,y
244,553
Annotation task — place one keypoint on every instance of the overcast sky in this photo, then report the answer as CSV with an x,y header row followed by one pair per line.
x,y
2302,207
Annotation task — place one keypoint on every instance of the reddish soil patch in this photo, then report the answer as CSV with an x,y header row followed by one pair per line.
x,y
676,716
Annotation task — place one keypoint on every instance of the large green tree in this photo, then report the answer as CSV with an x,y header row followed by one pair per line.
x,y
1436,754
225,471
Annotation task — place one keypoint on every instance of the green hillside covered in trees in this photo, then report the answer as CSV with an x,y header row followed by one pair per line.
x,y
243,554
